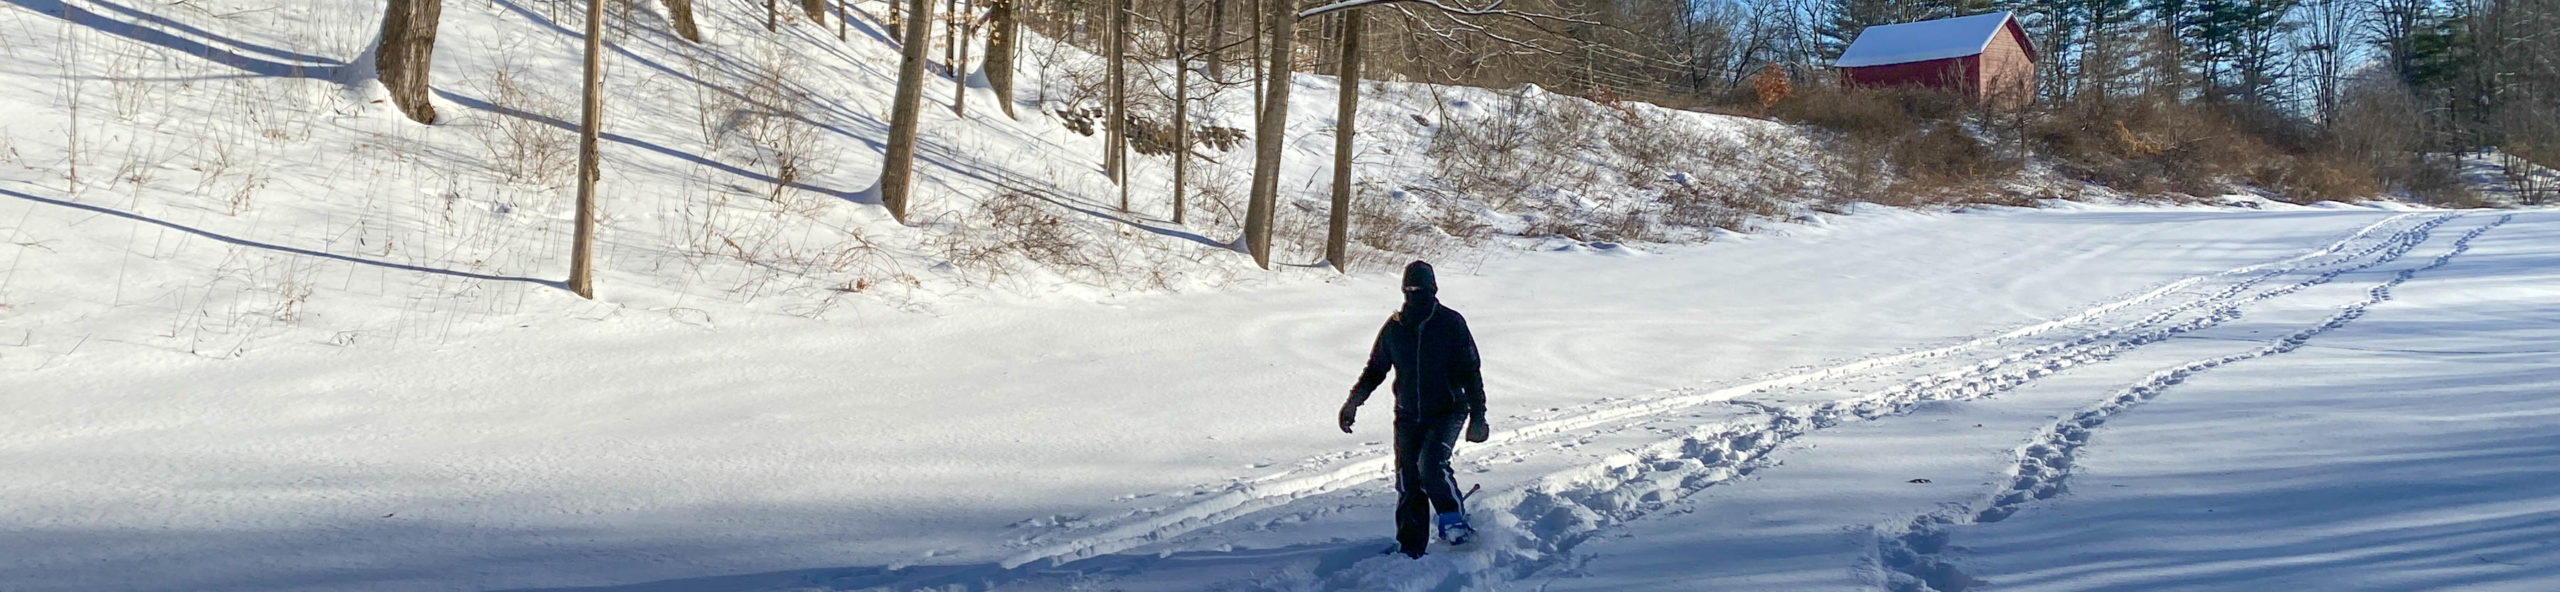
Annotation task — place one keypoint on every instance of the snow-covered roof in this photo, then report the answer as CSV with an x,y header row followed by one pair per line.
x,y
1923,41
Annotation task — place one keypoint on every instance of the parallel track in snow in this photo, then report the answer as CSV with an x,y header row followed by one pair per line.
x,y
2044,463
1565,506
1536,527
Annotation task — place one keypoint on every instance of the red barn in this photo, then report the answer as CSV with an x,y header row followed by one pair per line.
x,y
1985,56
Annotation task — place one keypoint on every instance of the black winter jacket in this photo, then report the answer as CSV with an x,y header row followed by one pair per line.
x,y
1437,371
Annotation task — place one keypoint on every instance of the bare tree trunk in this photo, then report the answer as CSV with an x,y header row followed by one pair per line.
x,y
894,175
1116,115
896,22
681,12
1337,238
817,10
1003,26
1181,104
1268,128
950,38
841,18
582,254
960,65
1261,34
407,49
772,17
1217,39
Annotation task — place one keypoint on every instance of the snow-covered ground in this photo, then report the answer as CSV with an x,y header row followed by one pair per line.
x,y
259,333
2506,179
1749,411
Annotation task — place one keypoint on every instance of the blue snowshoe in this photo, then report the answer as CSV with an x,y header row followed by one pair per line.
x,y
1454,529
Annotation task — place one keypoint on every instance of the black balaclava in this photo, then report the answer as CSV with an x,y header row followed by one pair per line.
x,y
1421,292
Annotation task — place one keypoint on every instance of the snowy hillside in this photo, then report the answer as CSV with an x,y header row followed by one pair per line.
x,y
258,333
248,182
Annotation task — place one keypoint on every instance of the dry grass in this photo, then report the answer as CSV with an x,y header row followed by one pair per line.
x,y
527,149
1013,228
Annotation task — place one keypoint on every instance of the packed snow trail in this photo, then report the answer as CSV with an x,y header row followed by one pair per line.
x,y
2225,287
2410,450
1536,527
1772,534
635,448
2044,464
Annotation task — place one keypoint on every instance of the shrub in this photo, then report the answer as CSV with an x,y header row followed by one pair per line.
x,y
524,141
2313,178
1015,226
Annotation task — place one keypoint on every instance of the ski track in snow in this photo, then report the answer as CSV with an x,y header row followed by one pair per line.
x,y
1915,552
1533,528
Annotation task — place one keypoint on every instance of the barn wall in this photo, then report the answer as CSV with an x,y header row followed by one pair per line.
x,y
2007,76
1950,74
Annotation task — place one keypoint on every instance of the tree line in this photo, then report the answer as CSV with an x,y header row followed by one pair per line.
x,y
2375,79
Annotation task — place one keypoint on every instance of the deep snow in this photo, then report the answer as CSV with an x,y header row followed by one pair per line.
x,y
271,337
1634,390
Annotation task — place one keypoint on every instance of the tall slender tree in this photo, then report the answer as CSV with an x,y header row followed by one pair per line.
x,y
2325,42
1215,61
1115,133
961,28
895,173
1337,241
1004,25
1181,104
590,122
1268,128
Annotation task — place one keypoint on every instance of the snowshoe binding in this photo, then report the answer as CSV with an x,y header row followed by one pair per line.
x,y
1454,529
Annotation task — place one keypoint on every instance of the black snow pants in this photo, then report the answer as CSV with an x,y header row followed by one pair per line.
x,y
1424,482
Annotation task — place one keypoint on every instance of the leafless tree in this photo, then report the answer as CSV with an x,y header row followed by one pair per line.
x,y
2324,38
1115,140
680,13
1004,25
1182,102
1337,238
961,29
1272,121
894,174
407,53
1268,127
582,255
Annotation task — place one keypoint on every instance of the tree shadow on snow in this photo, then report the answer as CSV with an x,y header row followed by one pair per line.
x,y
164,32
276,247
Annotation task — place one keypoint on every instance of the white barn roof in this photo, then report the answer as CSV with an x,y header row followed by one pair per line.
x,y
1923,41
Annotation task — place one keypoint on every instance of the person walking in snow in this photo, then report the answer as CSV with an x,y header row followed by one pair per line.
x,y
1439,390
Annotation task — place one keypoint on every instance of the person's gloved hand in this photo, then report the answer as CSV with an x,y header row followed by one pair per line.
x,y
1477,431
1350,412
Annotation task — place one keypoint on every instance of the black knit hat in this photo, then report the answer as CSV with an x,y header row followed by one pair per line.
x,y
1418,280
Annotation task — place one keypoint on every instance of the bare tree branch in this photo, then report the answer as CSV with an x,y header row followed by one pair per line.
x,y
1494,9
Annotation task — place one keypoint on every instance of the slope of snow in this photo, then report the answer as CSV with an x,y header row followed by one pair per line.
x,y
212,180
